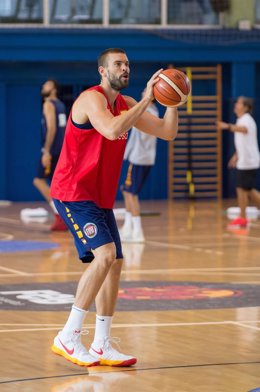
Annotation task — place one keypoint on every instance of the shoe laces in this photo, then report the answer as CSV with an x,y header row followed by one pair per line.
x,y
108,341
76,339
76,335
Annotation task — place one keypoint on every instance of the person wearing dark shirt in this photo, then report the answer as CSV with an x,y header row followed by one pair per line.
x,y
53,129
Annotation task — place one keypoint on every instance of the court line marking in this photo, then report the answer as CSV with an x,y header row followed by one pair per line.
x,y
219,237
16,272
134,369
92,326
6,236
194,273
246,282
186,247
33,329
178,271
246,325
197,248
22,225
2,219
162,244
200,247
144,272
54,327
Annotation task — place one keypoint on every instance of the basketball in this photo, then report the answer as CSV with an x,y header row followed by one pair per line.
x,y
173,88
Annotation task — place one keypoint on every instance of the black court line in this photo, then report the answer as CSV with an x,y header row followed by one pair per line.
x,y
132,370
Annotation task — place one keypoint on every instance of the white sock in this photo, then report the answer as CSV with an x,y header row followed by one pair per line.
x,y
53,207
75,321
137,224
103,326
128,221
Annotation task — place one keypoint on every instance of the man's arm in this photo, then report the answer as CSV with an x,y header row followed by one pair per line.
x,y
103,120
50,116
232,127
164,128
92,106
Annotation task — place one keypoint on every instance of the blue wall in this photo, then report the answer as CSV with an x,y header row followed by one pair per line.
x,y
30,56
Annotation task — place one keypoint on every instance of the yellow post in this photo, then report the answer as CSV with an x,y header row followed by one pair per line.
x,y
189,176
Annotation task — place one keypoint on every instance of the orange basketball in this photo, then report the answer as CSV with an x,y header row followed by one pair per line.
x,y
173,88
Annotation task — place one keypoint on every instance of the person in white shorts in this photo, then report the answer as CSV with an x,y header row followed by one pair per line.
x,y
246,158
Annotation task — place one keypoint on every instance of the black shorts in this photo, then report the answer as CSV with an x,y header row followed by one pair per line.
x,y
47,172
246,179
135,178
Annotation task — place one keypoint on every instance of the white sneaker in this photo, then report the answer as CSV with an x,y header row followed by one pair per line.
x,y
107,355
136,236
124,231
73,350
125,234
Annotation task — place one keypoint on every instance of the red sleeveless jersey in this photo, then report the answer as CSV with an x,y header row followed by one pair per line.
x,y
89,165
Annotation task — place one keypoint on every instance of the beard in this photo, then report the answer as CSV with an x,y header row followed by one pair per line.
x,y
117,83
45,94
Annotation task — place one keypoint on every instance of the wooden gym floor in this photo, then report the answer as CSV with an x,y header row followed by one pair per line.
x,y
188,304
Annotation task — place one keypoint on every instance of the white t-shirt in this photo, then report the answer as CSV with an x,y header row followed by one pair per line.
x,y
141,147
247,144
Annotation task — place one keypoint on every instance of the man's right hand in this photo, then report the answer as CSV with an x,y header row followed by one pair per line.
x,y
232,162
149,87
46,159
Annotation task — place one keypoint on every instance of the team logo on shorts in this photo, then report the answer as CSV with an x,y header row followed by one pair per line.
x,y
90,229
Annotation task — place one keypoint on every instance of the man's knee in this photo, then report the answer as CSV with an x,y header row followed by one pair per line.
x,y
106,254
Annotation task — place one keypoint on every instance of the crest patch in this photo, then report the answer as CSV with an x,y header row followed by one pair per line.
x,y
90,229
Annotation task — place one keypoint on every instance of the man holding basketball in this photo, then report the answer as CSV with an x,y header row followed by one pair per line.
x,y
84,187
